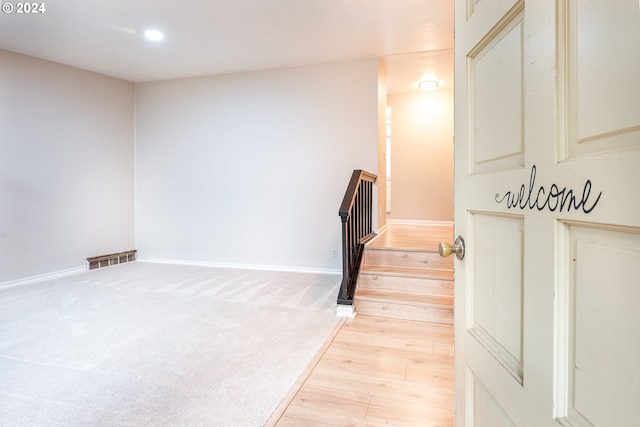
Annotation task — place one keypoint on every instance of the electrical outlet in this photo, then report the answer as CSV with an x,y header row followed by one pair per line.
x,y
335,253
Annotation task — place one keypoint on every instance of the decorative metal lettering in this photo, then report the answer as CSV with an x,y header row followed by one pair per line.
x,y
554,198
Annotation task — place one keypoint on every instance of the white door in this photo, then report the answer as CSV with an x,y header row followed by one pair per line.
x,y
547,197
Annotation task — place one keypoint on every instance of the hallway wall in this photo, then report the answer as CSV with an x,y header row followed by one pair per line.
x,y
422,156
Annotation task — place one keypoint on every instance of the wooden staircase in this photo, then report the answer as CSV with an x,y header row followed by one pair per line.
x,y
404,277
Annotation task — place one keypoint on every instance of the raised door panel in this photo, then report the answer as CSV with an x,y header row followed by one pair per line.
x,y
495,98
602,67
599,355
495,293
484,408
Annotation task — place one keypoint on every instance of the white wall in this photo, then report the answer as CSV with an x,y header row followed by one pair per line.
x,y
422,156
251,168
381,213
66,167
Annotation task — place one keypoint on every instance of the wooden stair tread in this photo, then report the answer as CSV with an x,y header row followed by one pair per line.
x,y
427,273
430,249
416,237
406,284
409,258
405,298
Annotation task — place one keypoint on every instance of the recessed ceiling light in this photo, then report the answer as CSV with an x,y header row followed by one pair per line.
x,y
154,35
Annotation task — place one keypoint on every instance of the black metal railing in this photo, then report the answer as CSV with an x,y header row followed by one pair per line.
x,y
356,213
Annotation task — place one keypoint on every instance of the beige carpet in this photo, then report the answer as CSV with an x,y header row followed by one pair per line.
x,y
144,344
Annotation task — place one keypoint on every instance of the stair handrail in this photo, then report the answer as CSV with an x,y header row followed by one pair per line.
x,y
356,213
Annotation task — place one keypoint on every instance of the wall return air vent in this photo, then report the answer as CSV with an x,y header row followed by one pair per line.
x,y
111,259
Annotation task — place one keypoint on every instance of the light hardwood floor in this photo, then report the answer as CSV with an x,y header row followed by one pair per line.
x,y
378,371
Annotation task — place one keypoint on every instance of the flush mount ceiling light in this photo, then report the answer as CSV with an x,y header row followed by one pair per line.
x,y
428,85
154,35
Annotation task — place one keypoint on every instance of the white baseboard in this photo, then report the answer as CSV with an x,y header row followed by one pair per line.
x,y
42,277
344,310
240,266
420,222
382,229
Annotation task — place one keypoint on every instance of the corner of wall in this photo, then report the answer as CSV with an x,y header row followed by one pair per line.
x,y
382,164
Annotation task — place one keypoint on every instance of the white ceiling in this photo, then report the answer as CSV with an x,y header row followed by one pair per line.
x,y
415,37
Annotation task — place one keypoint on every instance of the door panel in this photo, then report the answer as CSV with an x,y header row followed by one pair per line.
x,y
604,47
598,320
484,409
599,61
495,72
547,165
486,10
495,318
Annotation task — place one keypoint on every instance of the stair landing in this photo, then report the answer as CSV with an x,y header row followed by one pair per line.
x,y
417,237
404,277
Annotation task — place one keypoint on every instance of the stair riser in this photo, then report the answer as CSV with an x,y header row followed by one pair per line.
x,y
405,312
400,258
413,285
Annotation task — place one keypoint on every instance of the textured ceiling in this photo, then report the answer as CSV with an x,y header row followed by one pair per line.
x,y
415,37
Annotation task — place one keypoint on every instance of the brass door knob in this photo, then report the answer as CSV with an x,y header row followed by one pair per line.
x,y
445,249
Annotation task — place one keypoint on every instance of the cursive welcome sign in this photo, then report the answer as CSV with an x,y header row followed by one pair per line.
x,y
552,198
